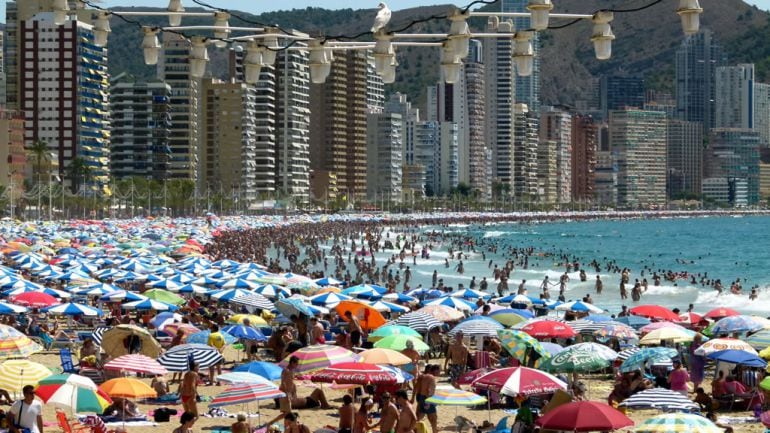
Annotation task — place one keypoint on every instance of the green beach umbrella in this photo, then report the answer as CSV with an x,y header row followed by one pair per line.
x,y
760,340
574,361
456,397
517,343
398,343
676,423
388,330
165,296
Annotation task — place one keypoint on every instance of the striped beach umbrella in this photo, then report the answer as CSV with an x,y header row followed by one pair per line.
x,y
626,353
579,306
253,301
293,307
675,335
418,321
122,295
387,307
328,281
676,423
168,284
272,291
319,356
600,349
74,392
515,381
149,304
615,330
228,294
357,373
100,289
659,398
241,377
73,309
178,357
136,363
247,393
11,309
98,333
719,344
444,313
638,359
384,357
477,328
455,397
585,326
759,340
16,373
14,344
245,332
238,283
190,288
733,324
452,302
470,294
518,343
329,300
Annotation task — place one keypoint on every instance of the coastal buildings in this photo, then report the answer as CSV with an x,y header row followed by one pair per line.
x,y
585,139
732,160
696,62
141,125
384,150
527,88
12,172
525,140
684,159
762,111
547,171
556,126
735,96
637,140
619,92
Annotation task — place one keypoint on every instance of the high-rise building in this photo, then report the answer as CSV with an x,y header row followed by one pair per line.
x,y
617,93
174,70
63,91
696,63
499,79
762,112
546,171
585,137
141,122
338,110
735,96
228,165
527,88
11,55
733,156
375,88
638,145
556,126
3,83
525,139
685,158
384,157
13,153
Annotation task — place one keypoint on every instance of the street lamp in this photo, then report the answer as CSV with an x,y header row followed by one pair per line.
x,y
539,11
199,56
523,53
689,11
175,19
602,35
222,31
150,45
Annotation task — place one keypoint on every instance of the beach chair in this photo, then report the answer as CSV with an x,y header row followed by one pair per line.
x,y
66,361
67,426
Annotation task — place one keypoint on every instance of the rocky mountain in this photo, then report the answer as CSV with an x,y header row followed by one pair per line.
x,y
645,42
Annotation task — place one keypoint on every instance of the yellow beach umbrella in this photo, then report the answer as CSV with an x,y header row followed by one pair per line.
x,y
17,373
669,334
254,319
384,356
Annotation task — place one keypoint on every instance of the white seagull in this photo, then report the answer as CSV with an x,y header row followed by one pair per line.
x,y
382,18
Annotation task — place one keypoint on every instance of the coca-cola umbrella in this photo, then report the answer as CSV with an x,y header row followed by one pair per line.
x,y
584,416
515,381
548,329
655,312
359,373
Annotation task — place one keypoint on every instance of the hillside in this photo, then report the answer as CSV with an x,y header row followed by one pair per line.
x,y
645,44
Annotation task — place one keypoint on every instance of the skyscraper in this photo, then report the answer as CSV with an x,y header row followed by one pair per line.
x,y
384,160
556,126
585,138
546,171
696,63
735,96
141,123
527,88
174,70
762,112
525,139
617,93
732,159
685,158
638,144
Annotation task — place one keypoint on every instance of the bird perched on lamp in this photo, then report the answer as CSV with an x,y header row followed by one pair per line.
x,y
382,18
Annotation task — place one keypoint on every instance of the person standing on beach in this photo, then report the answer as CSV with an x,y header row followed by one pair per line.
x,y
26,413
188,389
424,389
457,359
354,326
406,418
388,414
599,285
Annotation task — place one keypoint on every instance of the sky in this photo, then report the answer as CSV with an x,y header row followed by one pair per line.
x,y
258,6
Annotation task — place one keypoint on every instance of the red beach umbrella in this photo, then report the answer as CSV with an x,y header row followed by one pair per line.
x,y
584,416
34,299
519,381
549,329
359,373
691,318
720,313
655,312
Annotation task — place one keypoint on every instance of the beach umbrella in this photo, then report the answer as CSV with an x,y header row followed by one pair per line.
x,y
172,328
14,344
720,312
254,320
34,299
136,363
418,321
329,299
178,358
128,387
666,334
470,294
100,289
579,306
548,329
425,293
167,284
510,316
759,340
114,341
267,370
658,325
583,326
600,349
246,393
736,324
149,304
690,318
272,291
678,423
571,360
719,344
635,322
228,294
165,318
253,301
11,309
70,391
452,302
384,356
515,381
357,373
202,338
293,307
122,295
244,332
366,291
617,330
190,288
584,416
518,343
16,373
443,313
240,377
638,359
551,348
73,309
738,357
385,307
319,356
328,281
398,343
455,397
599,318
659,398
164,296
368,317
387,330
477,328
654,312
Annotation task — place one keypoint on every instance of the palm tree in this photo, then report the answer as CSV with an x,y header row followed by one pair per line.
x,y
40,152
78,170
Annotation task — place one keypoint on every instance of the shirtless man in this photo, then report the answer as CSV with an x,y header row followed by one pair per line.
x,y
457,358
355,329
289,388
424,388
188,390
407,418
316,331
599,285
388,414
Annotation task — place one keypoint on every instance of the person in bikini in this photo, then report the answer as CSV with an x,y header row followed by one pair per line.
x,y
188,390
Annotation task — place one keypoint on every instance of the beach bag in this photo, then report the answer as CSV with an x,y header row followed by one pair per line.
x,y
163,414
422,427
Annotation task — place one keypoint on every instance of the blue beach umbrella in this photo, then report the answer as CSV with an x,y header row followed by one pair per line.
x,y
739,324
328,281
268,370
399,297
203,338
227,295
244,332
470,294
238,283
450,301
635,322
191,288
73,309
290,307
122,295
328,299
272,291
11,309
740,357
149,304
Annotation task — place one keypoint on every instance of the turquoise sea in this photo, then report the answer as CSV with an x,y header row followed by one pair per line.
x,y
725,247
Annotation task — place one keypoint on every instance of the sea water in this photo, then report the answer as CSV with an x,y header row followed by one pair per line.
x,y
725,247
